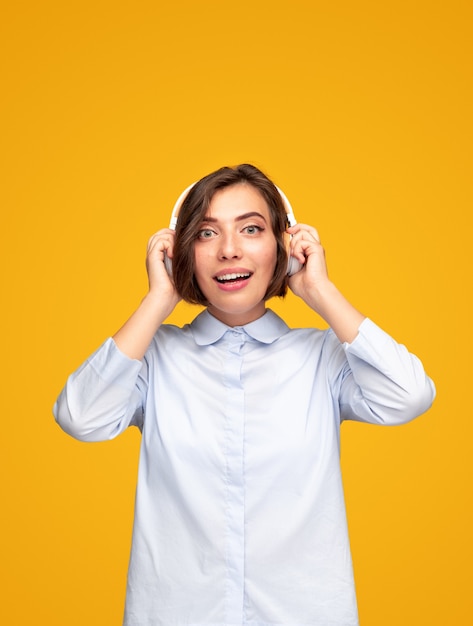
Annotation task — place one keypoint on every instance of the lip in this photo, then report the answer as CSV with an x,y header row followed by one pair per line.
x,y
236,284
233,270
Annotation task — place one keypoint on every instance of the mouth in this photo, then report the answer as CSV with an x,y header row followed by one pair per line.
x,y
225,279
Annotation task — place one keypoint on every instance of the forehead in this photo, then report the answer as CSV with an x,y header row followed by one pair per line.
x,y
231,202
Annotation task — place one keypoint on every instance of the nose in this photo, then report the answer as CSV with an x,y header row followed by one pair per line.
x,y
229,247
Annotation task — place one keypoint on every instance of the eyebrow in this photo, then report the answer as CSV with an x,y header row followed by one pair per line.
x,y
245,216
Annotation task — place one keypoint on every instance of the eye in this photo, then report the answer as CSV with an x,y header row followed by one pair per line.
x,y
205,233
253,229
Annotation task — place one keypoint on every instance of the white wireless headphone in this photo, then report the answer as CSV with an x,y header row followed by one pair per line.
x,y
293,265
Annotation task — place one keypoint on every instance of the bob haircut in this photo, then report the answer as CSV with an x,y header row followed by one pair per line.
x,y
192,214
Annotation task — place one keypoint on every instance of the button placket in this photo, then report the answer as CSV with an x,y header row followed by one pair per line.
x,y
235,486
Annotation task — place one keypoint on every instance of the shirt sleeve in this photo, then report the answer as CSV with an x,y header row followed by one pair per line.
x,y
104,396
382,383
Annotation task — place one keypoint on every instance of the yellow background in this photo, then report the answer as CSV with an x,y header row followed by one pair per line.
x,y
362,113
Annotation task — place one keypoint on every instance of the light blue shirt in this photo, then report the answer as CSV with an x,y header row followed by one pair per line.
x,y
240,515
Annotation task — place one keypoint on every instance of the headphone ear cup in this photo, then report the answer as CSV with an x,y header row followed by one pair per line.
x,y
293,265
168,264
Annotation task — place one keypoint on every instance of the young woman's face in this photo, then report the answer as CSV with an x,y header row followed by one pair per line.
x,y
235,254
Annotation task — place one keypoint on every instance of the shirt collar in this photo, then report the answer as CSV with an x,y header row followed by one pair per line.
x,y
207,329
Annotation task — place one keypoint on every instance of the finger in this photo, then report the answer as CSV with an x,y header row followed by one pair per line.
x,y
303,250
304,228
161,234
304,244
162,240
305,237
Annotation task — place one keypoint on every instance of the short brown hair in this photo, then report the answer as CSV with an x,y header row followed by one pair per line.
x,y
193,211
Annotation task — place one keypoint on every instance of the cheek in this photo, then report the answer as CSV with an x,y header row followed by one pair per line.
x,y
198,255
270,257
201,262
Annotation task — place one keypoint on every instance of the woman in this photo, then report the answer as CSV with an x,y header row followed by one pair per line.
x,y
240,515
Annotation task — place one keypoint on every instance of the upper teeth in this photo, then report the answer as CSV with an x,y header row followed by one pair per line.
x,y
232,276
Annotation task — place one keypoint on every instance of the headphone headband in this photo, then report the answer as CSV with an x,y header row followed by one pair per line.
x,y
177,206
180,201
293,264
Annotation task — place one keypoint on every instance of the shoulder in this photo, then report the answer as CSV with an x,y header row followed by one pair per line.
x,y
170,337
325,339
314,347
317,350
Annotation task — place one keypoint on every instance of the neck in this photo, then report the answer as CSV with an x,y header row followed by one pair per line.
x,y
237,318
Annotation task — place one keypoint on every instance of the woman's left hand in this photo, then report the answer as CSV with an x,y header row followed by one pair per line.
x,y
312,284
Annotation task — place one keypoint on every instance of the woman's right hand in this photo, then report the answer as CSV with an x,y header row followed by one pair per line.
x,y
134,337
160,283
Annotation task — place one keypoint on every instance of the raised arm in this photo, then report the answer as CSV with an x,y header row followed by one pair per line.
x,y
136,334
106,394
312,284
382,382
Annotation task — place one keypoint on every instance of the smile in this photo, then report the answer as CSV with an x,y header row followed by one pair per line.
x,y
226,278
